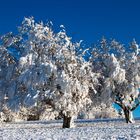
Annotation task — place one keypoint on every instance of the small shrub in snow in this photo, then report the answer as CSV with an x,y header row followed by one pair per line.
x,y
6,115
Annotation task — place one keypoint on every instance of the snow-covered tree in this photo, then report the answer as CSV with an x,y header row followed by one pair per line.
x,y
128,92
120,76
8,70
51,70
39,67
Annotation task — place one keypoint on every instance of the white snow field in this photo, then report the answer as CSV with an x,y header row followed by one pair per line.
x,y
85,130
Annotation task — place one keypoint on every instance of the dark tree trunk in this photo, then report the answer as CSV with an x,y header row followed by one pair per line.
x,y
127,111
128,115
67,121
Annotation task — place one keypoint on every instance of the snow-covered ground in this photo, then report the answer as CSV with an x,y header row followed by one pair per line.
x,y
85,130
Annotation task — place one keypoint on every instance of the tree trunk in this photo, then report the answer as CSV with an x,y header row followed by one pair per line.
x,y
128,115
67,121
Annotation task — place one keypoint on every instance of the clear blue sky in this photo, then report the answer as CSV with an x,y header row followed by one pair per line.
x,y
88,20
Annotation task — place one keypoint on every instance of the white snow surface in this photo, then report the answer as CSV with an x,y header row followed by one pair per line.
x,y
84,130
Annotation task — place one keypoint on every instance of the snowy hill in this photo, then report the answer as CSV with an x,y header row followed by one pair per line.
x,y
105,129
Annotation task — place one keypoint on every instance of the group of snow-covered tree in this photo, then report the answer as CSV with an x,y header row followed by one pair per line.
x,y
39,68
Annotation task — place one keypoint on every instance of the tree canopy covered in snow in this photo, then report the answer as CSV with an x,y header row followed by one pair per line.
x,y
39,66
50,69
119,67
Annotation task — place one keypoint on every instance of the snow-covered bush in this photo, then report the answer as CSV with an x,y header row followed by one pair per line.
x,y
6,114
49,114
98,112
105,112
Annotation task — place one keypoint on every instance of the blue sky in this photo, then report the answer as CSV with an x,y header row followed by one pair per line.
x,y
86,20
